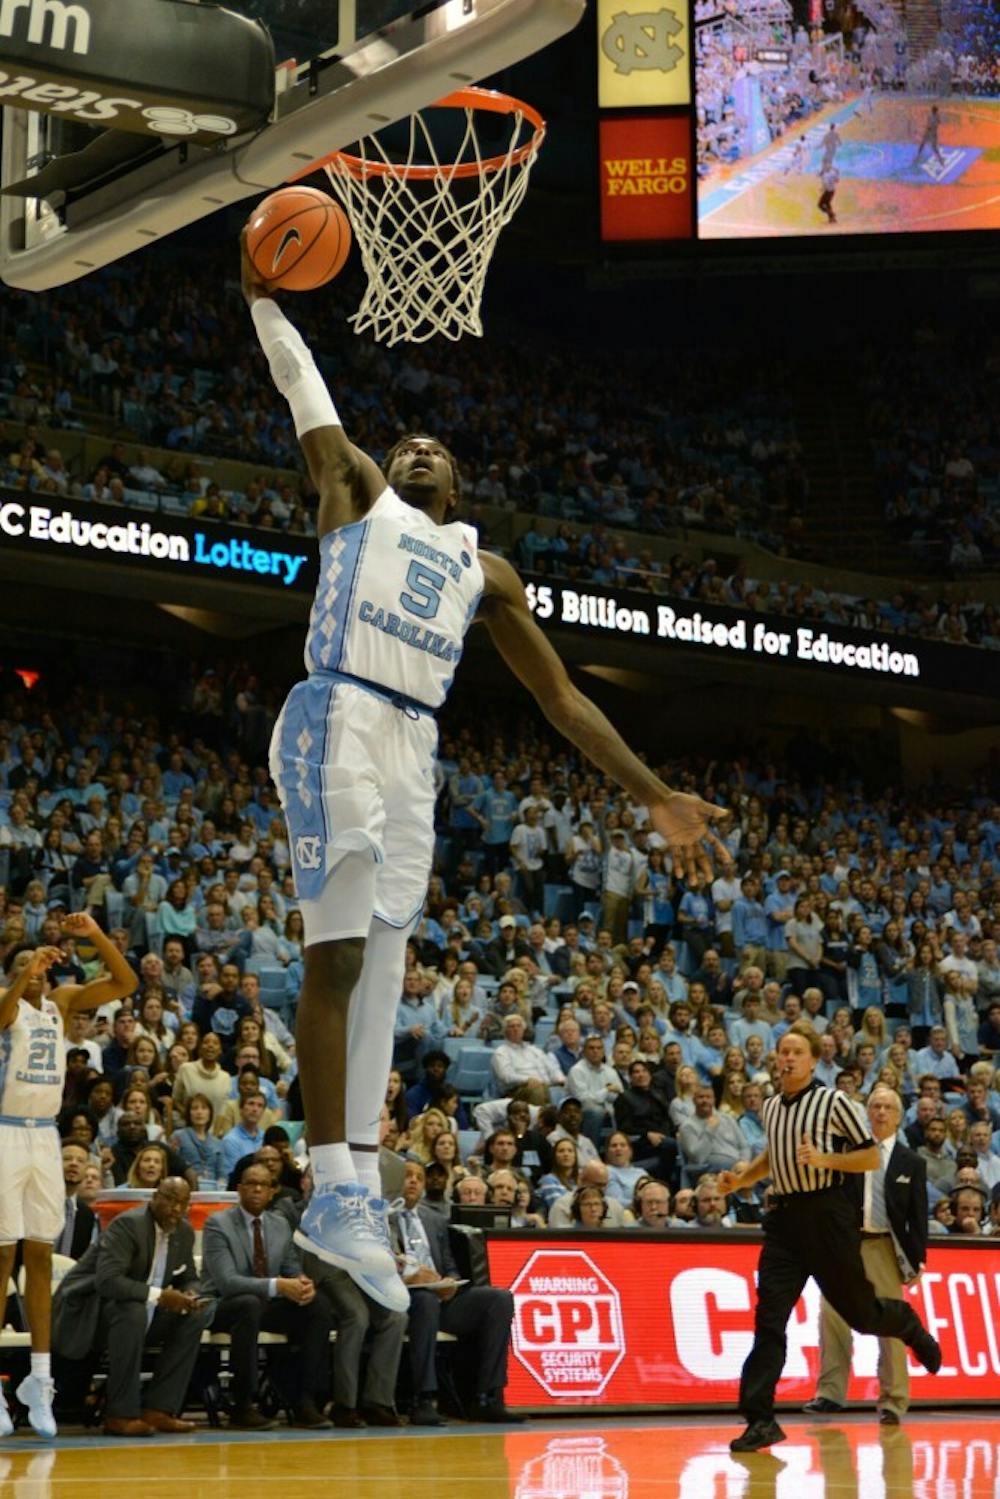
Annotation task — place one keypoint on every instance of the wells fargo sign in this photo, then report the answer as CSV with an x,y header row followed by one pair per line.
x,y
645,178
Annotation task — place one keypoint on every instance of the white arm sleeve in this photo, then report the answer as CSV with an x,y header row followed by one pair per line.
x,y
293,369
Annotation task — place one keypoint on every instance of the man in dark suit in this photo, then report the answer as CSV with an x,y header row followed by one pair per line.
x,y
893,1206
478,1316
143,1272
80,1227
250,1264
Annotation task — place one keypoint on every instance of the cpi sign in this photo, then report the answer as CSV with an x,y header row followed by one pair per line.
x,y
568,1329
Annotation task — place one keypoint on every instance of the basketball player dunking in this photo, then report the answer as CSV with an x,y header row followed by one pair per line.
x,y
400,581
32,1193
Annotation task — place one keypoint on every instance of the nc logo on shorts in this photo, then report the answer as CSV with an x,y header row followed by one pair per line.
x,y
307,852
466,559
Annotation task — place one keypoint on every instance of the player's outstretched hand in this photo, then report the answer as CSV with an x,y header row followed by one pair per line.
x,y
80,924
685,822
252,284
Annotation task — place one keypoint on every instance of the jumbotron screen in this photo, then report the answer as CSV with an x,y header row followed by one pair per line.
x,y
827,117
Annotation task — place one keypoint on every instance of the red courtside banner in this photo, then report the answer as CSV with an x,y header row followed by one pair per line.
x,y
646,177
628,1320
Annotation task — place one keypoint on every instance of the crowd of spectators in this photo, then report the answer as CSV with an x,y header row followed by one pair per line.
x,y
566,987
932,417
615,440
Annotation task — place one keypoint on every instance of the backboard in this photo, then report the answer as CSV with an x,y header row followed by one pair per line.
x,y
345,67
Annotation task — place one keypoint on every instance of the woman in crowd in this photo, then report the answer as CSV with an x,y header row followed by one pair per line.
x,y
197,1146
176,915
154,1019
924,989
833,958
189,1036
136,1100
682,1103
398,1113
149,1166
445,1152
622,1174
731,1097
655,887
563,1176
294,935
524,1215
873,1031
893,953
424,1130
447,976
266,946
459,1011
957,1124
962,1020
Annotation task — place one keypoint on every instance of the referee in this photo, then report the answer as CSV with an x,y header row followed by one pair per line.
x,y
813,1135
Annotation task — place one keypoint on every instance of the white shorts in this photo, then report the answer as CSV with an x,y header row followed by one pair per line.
x,y
355,774
32,1190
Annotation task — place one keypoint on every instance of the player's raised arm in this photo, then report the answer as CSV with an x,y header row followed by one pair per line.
x,y
683,820
41,959
118,983
347,480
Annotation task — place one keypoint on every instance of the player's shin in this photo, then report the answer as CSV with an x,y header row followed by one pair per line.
x,y
370,1043
331,974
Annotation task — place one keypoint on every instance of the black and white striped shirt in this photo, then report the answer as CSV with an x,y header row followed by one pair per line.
x,y
824,1115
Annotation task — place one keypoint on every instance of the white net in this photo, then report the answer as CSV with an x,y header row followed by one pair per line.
x,y
427,229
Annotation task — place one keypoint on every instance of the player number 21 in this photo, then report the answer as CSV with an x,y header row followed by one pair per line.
x,y
42,1056
422,596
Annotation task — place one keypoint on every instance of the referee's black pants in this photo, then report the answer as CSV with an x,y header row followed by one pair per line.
x,y
812,1234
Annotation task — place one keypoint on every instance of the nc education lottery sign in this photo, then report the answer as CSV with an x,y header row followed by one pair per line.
x,y
106,533
635,1320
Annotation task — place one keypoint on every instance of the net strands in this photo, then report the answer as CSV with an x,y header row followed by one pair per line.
x,y
427,229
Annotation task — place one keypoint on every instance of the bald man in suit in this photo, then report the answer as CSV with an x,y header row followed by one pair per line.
x,y
138,1283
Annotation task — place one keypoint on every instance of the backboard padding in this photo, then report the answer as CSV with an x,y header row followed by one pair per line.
x,y
329,104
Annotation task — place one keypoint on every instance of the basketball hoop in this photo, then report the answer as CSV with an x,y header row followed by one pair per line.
x,y
426,228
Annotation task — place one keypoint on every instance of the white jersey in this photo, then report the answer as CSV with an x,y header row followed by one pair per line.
x,y
32,1062
396,595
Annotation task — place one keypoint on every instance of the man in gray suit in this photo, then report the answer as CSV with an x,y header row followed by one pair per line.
x,y
143,1272
248,1262
479,1317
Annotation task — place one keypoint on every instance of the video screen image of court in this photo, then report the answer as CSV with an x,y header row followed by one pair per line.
x,y
906,115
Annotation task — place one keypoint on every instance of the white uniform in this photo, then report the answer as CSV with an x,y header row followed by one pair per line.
x,y
32,1073
353,750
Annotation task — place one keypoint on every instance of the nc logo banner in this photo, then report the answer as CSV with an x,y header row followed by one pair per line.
x,y
643,54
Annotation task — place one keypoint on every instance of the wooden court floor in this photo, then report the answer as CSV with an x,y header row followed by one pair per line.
x,y
944,1455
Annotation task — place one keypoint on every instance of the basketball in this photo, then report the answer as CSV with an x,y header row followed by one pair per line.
x,y
298,238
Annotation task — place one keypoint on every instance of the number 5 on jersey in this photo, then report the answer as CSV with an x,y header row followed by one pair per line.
x,y
424,596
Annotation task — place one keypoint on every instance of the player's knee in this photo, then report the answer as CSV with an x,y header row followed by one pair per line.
x,y
335,967
37,1254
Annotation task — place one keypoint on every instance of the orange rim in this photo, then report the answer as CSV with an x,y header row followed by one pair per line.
x,y
463,98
